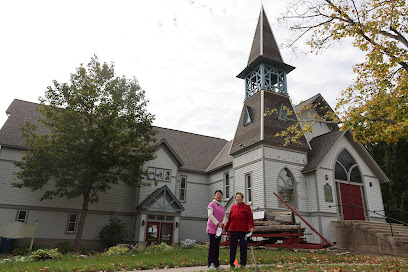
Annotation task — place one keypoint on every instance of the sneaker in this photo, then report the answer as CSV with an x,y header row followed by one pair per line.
x,y
212,267
242,266
232,265
218,267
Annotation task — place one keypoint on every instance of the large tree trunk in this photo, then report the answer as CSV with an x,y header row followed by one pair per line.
x,y
81,223
284,217
277,228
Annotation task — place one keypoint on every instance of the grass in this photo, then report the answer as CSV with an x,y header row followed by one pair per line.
x,y
270,260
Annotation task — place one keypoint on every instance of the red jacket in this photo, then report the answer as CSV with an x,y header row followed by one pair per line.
x,y
240,218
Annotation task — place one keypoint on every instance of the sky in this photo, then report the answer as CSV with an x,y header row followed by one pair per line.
x,y
185,54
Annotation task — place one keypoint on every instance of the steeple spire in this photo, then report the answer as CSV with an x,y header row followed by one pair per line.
x,y
266,69
264,43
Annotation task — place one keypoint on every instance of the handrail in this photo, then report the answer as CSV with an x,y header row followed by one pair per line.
x,y
393,210
385,216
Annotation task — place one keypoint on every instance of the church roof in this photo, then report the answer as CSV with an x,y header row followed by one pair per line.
x,y
195,152
321,146
222,159
320,105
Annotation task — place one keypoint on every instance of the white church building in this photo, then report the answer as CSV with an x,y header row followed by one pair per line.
x,y
317,177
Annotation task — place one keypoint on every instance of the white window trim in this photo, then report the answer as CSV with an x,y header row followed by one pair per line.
x,y
249,195
225,186
185,188
76,223
25,218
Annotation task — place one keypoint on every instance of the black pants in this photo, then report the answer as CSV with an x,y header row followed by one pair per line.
x,y
235,236
214,250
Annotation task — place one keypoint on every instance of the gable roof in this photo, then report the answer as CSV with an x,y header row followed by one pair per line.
x,y
223,158
321,146
193,152
161,199
320,105
19,111
196,151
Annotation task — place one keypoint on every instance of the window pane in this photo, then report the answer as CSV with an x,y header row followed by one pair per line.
x,y
151,216
339,172
151,172
183,182
161,217
227,192
71,227
167,174
226,179
182,194
287,195
159,174
22,215
346,159
249,195
355,175
280,182
72,217
169,218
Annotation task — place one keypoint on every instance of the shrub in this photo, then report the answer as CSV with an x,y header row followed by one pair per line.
x,y
44,254
188,243
113,233
65,247
116,250
22,249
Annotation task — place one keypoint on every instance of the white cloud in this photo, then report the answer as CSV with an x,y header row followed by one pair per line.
x,y
185,54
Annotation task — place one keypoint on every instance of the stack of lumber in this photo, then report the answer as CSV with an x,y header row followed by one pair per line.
x,y
277,221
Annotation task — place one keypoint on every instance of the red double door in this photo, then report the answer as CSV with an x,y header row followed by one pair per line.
x,y
352,202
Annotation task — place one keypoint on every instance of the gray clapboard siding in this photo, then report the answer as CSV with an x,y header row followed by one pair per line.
x,y
321,181
247,157
10,154
374,197
255,169
317,128
311,189
195,230
8,215
278,154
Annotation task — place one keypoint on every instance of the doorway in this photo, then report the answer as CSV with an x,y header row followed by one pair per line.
x,y
158,232
351,202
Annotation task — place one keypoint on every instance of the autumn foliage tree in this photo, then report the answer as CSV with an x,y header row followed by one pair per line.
x,y
100,134
375,105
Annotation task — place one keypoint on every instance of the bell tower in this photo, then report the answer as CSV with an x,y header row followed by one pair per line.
x,y
265,90
266,69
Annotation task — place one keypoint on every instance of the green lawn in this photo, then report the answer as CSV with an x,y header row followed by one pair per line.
x,y
278,260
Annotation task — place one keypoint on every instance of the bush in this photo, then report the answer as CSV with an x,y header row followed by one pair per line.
x,y
188,243
44,254
116,250
113,233
22,249
65,247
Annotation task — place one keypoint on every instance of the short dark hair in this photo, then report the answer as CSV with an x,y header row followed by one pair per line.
x,y
218,191
239,193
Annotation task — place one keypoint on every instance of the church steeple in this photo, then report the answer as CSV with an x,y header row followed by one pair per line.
x,y
265,92
266,69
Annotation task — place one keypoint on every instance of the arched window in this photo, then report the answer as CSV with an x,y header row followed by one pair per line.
x,y
346,168
286,188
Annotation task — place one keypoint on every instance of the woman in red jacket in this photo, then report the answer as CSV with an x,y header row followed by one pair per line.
x,y
240,220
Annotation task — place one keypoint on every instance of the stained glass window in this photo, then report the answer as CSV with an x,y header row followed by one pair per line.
x,y
286,187
346,168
